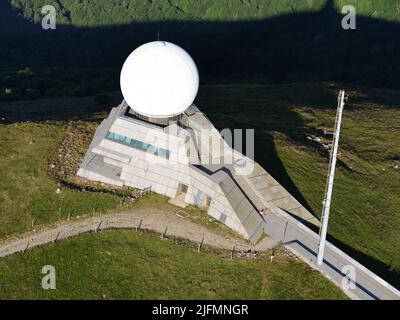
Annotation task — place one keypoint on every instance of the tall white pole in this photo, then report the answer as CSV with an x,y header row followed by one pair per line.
x,y
331,175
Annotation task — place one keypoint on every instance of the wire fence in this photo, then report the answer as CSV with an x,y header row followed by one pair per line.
x,y
70,229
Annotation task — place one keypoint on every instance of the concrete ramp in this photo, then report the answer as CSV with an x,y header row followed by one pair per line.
x,y
245,209
259,186
273,195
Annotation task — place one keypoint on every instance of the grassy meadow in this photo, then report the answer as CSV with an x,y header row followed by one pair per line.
x,y
27,193
365,212
136,265
365,219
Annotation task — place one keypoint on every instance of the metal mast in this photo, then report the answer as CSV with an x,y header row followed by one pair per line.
x,y
330,179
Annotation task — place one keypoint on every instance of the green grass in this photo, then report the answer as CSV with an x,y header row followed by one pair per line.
x,y
26,191
119,264
106,12
366,205
200,217
365,211
27,83
131,265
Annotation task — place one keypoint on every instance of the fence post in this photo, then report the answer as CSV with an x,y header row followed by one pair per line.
x,y
272,255
98,227
200,245
58,234
27,246
165,232
140,224
232,252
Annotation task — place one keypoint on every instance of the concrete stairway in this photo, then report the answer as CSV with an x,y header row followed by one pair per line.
x,y
273,195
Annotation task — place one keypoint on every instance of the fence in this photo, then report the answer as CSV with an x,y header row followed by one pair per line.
x,y
116,221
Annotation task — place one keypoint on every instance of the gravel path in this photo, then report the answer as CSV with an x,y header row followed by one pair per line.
x,y
156,220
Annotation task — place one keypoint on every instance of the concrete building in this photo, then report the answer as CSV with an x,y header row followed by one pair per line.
x,y
157,138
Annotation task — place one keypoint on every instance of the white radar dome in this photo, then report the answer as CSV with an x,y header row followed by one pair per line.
x,y
159,79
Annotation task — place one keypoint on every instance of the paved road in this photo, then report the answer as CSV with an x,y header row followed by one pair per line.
x,y
304,243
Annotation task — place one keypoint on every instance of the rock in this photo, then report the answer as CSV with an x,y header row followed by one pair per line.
x,y
68,157
58,190
396,166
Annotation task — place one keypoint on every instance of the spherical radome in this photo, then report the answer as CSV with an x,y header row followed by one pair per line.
x,y
159,79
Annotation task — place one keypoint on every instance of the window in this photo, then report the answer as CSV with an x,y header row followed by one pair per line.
x,y
208,201
223,217
138,145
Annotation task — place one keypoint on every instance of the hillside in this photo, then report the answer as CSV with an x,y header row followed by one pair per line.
x,y
364,221
277,41
271,65
105,12
130,265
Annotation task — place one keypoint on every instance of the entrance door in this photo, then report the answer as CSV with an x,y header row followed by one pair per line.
x,y
179,200
182,189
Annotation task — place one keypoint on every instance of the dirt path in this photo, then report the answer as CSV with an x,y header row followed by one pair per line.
x,y
157,220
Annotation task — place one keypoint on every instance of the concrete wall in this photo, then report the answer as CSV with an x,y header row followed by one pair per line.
x,y
140,169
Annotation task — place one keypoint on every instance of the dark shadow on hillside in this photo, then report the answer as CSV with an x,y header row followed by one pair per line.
x,y
57,109
244,107
302,46
309,46
378,267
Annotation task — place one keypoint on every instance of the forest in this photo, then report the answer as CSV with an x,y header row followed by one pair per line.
x,y
239,40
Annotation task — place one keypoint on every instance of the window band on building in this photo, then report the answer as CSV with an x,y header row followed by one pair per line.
x,y
147,147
